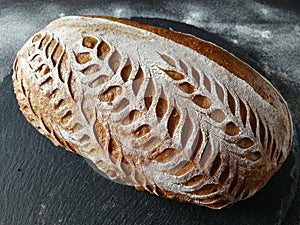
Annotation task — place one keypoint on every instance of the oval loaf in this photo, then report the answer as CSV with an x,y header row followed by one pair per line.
x,y
162,111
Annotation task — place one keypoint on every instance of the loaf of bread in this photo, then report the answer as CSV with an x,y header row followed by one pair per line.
x,y
162,111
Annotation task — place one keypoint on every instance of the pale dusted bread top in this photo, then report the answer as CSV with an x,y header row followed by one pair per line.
x,y
163,111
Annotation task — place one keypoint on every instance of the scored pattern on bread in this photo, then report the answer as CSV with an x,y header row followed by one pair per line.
x,y
180,127
45,58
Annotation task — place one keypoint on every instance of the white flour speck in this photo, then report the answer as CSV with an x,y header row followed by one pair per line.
x,y
265,34
118,12
297,29
234,41
253,32
264,11
42,209
195,15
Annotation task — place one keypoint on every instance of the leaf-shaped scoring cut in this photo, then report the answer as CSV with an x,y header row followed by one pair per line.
x,y
186,130
244,143
183,66
253,121
150,91
206,82
62,64
187,87
126,166
99,81
132,116
100,133
206,154
138,80
161,107
71,85
51,47
36,38
126,71
56,54
35,62
196,75
274,149
197,144
218,115
164,156
202,101
219,91
168,60
114,150
231,102
43,70
110,94
114,61
262,132
121,105
102,50
243,111
253,156
148,102
141,131
89,42
224,175
232,129
174,75
182,168
44,41
66,117
83,57
91,69
173,121
198,179
207,189
279,158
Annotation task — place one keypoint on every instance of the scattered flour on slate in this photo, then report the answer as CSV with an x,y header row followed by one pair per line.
x,y
272,34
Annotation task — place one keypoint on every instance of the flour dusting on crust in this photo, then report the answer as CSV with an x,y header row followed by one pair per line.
x,y
150,112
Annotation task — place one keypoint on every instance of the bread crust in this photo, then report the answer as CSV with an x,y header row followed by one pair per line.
x,y
160,110
219,55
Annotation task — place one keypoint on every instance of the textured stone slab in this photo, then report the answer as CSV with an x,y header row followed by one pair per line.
x,y
42,184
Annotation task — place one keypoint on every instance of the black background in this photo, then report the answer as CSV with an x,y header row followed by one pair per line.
x,y
43,184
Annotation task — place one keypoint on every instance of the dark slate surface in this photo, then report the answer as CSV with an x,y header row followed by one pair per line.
x,y
43,184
